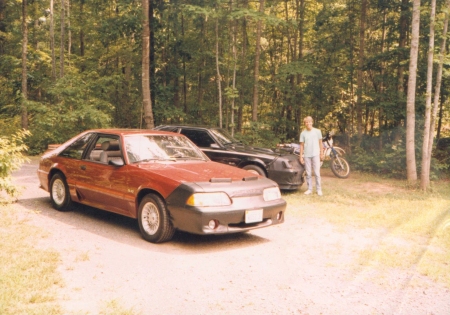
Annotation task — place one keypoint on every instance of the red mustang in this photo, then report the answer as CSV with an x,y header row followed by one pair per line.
x,y
160,178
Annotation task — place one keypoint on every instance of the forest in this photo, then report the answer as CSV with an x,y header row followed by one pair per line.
x,y
374,72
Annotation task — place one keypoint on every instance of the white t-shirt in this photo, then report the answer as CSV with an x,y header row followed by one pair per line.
x,y
311,138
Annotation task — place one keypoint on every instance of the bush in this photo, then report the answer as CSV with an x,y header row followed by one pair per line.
x,y
11,158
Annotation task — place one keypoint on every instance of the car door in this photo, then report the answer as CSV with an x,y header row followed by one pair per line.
x,y
102,184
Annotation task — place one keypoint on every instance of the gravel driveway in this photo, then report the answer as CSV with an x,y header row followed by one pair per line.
x,y
304,266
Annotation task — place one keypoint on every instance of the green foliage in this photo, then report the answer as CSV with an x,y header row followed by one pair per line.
x,y
75,108
11,158
259,135
390,161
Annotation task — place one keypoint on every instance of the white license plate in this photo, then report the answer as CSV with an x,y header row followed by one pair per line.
x,y
252,216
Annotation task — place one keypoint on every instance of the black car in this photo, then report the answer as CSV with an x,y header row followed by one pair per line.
x,y
220,146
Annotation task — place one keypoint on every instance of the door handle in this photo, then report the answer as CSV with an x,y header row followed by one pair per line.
x,y
83,167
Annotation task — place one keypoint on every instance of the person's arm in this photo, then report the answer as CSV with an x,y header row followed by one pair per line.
x,y
322,151
302,144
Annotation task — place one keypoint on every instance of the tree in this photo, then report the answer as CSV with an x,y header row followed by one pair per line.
x,y
411,171
256,68
146,99
425,172
218,76
359,102
52,41
24,65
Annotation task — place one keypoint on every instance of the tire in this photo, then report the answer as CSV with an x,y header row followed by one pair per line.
x,y
154,220
59,193
254,169
338,170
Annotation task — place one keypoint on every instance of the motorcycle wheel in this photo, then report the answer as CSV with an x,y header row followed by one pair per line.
x,y
340,167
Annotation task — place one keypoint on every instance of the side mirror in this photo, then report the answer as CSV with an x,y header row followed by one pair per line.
x,y
214,146
117,162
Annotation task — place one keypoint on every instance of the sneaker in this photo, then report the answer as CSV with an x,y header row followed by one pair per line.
x,y
319,192
308,192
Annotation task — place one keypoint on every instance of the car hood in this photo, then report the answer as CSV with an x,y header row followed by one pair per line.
x,y
252,150
196,171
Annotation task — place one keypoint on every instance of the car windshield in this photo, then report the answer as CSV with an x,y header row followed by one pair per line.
x,y
223,136
145,148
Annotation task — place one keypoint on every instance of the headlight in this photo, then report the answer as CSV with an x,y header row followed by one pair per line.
x,y
272,193
209,199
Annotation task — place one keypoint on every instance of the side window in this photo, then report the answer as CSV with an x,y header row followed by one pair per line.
x,y
104,148
200,137
76,149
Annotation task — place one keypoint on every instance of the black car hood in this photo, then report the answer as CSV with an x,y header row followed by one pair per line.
x,y
238,147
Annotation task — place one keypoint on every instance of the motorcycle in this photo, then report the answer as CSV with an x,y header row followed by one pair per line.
x,y
339,166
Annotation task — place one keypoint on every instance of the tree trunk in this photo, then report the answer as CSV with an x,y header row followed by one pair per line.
x,y
437,90
256,71
382,85
146,100
362,31
411,96
52,41
82,67
24,65
69,32
425,172
61,47
403,29
219,79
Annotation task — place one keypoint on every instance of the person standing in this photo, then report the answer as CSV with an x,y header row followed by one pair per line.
x,y
311,153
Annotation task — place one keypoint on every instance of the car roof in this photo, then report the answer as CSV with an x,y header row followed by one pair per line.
x,y
124,131
189,126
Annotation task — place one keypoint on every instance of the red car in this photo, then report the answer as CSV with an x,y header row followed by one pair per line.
x,y
160,178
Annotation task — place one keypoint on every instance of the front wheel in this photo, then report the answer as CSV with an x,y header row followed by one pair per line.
x,y
255,170
340,167
154,220
59,193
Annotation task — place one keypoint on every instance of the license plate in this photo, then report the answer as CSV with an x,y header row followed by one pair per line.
x,y
252,216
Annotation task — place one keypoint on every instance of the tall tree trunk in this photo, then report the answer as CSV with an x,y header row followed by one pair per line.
x,y
82,67
301,30
52,41
24,65
437,90
233,84
219,79
425,172
403,29
69,32
146,100
256,71
61,47
382,91
359,92
411,96
243,67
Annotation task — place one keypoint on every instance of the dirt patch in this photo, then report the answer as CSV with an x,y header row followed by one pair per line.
x,y
304,266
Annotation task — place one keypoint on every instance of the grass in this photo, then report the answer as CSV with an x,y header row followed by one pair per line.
x,y
28,276
412,227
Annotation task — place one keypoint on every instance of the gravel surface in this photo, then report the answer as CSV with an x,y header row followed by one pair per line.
x,y
304,266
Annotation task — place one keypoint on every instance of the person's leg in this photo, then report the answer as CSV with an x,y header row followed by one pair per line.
x,y
316,168
308,173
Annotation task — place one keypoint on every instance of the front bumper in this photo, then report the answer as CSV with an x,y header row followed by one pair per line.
x,y
228,219
287,172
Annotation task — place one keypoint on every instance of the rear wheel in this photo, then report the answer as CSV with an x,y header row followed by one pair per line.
x,y
154,220
59,193
255,170
340,167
